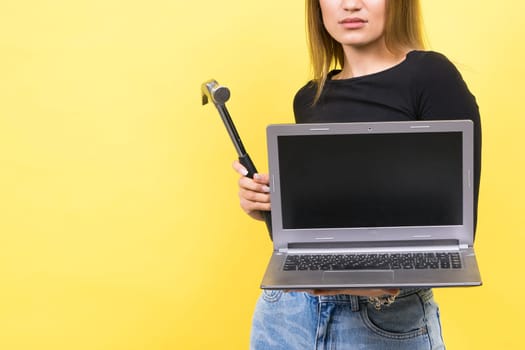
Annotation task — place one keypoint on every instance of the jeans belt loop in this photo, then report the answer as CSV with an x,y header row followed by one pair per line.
x,y
354,302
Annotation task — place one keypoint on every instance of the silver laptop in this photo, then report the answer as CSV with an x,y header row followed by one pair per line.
x,y
369,205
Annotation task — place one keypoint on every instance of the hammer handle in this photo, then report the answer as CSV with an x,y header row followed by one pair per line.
x,y
247,162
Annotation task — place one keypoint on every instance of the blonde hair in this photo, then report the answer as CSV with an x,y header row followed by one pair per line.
x,y
403,29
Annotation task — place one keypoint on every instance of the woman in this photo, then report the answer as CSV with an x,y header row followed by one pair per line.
x,y
384,76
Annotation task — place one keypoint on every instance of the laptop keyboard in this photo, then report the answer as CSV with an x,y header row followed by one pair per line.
x,y
396,261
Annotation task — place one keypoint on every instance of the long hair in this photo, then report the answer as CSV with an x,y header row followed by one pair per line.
x,y
403,29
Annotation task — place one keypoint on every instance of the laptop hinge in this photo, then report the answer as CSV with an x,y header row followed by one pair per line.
x,y
401,248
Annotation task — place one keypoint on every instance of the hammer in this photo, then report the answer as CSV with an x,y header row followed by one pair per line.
x,y
219,95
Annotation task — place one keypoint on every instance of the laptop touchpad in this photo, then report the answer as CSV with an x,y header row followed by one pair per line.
x,y
358,276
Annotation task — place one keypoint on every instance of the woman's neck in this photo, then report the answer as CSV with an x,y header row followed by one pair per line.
x,y
360,61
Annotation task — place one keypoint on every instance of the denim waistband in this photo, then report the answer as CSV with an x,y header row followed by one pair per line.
x,y
425,294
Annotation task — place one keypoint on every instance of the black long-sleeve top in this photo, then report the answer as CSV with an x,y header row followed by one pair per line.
x,y
425,86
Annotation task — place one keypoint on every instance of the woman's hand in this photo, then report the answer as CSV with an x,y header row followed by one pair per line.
x,y
254,194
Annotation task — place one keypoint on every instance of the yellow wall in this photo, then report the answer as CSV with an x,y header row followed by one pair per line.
x,y
119,221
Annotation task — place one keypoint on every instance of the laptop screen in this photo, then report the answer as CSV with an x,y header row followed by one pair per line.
x,y
371,180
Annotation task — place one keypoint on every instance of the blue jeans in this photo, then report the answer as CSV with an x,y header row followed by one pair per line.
x,y
301,321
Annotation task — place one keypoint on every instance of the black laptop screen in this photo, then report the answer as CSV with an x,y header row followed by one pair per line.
x,y
371,180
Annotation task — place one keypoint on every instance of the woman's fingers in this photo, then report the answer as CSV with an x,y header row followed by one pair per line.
x,y
258,178
257,184
239,168
254,194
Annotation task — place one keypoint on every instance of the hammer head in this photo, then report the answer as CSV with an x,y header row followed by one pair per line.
x,y
212,91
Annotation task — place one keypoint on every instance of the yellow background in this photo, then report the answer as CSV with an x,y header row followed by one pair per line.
x,y
119,219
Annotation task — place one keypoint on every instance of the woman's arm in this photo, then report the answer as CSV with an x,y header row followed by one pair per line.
x,y
443,94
